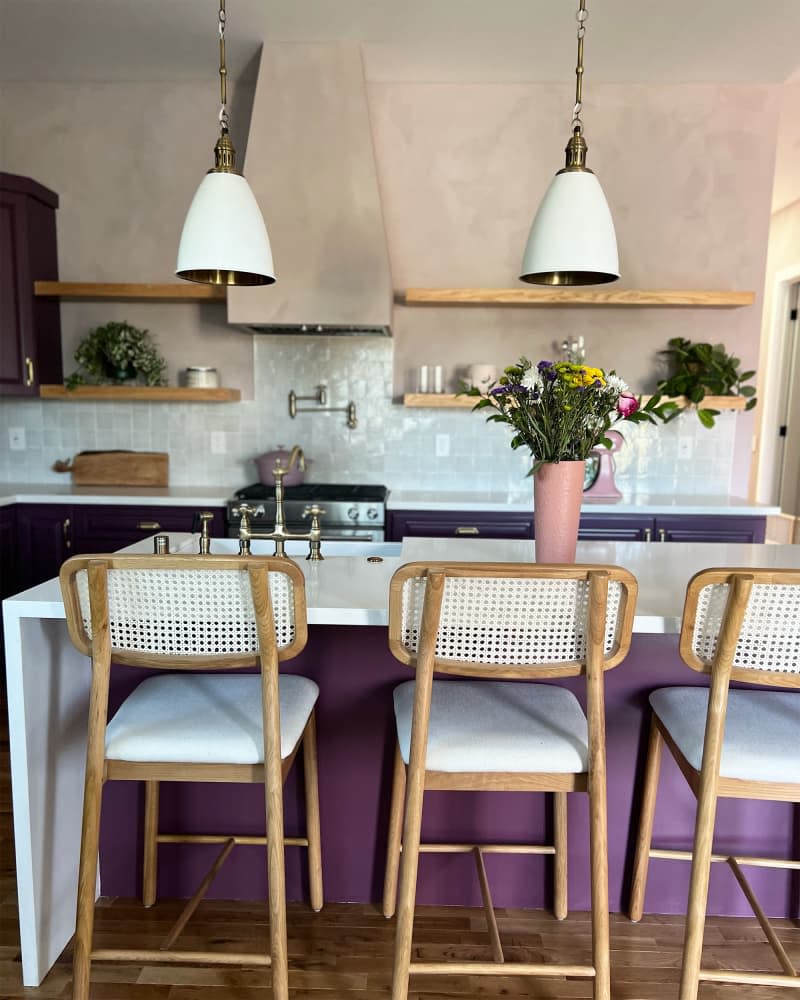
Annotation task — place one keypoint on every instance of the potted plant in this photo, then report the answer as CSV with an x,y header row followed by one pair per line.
x,y
118,354
697,370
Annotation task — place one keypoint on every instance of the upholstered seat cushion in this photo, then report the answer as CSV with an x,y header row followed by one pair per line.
x,y
498,726
762,731
205,718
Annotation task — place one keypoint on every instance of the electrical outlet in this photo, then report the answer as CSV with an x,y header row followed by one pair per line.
x,y
442,445
685,448
16,438
218,442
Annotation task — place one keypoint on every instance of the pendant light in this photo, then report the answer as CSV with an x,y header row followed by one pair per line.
x,y
572,239
224,239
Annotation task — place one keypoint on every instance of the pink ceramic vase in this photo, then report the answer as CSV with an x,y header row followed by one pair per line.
x,y
557,494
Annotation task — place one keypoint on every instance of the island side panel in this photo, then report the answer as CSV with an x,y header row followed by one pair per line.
x,y
356,675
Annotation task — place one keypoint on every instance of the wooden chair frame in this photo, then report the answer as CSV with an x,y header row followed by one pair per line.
x,y
271,774
708,785
411,782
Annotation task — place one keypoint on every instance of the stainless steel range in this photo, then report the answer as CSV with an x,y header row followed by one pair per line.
x,y
351,512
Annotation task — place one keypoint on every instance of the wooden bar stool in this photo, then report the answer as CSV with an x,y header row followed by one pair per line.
x,y
503,623
190,615
741,625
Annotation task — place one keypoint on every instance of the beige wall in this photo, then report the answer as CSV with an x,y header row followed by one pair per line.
x,y
687,171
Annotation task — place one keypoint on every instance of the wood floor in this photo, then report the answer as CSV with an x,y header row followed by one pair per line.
x,y
344,952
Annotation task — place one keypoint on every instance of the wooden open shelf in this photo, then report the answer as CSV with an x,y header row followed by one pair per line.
x,y
443,400
187,291
573,297
140,394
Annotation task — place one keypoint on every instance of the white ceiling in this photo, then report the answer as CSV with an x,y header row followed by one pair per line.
x,y
408,40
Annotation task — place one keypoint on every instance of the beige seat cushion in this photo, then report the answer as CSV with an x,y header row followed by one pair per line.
x,y
205,718
498,726
762,731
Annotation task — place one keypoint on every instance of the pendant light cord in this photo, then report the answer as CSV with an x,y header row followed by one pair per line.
x,y
223,71
580,17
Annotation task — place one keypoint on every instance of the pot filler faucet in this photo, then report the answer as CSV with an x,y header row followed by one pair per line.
x,y
279,534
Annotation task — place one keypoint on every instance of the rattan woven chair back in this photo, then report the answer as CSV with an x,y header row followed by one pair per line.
x,y
512,620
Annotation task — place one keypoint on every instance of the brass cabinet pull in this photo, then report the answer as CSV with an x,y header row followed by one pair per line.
x,y
148,526
467,531
648,534
662,535
66,524
29,372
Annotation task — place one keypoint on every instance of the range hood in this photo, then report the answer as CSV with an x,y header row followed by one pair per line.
x,y
311,165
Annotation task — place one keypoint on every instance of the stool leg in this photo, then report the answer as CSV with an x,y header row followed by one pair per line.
x,y
645,835
311,776
150,860
408,884
395,831
560,905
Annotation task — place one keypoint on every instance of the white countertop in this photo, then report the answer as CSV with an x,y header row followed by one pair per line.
x,y
148,496
521,501
349,590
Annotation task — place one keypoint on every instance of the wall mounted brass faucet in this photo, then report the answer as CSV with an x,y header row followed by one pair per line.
x,y
321,398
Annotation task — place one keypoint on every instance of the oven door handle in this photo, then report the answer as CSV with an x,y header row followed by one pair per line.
x,y
367,537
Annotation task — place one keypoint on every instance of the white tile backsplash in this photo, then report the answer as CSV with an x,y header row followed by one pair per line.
x,y
391,445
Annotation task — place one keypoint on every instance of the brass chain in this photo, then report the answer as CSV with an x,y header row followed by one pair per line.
x,y
223,71
581,17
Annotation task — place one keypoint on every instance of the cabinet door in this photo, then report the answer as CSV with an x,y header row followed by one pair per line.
x,y
44,541
616,528
107,528
30,327
8,551
706,528
459,524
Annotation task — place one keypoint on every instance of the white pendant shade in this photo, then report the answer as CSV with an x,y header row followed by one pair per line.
x,y
224,239
572,239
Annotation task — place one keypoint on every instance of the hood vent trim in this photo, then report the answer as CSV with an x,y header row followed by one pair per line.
x,y
311,165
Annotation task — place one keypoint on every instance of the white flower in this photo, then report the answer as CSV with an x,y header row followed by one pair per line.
x,y
617,384
532,381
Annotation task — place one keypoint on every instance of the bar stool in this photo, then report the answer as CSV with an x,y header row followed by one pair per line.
x,y
503,623
190,615
741,625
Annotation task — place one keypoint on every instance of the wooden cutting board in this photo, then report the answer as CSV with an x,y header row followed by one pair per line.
x,y
117,468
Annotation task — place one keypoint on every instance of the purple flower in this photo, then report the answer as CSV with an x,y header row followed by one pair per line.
x,y
544,364
627,404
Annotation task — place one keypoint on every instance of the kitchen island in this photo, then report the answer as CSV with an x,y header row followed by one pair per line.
x,y
347,656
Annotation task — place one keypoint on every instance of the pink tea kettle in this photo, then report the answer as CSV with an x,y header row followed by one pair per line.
x,y
266,463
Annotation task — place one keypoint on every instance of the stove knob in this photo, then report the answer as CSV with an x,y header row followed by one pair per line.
x,y
353,513
372,514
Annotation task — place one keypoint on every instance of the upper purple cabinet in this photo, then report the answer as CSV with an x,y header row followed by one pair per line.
x,y
30,327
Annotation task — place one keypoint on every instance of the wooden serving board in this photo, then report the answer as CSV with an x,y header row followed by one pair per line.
x,y
119,468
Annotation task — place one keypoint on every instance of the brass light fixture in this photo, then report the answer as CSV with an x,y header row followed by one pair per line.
x,y
572,239
224,239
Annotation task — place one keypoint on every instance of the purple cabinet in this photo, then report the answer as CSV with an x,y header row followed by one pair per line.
x,y
593,527
30,327
44,540
106,528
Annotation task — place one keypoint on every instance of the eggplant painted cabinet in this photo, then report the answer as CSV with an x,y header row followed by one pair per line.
x,y
593,527
47,534
30,327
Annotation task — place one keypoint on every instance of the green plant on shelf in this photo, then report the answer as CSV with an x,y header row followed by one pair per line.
x,y
698,370
118,354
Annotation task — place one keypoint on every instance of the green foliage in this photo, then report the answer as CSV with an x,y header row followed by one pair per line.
x,y
117,354
697,370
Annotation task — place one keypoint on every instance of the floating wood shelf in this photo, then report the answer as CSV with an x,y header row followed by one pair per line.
x,y
573,297
187,291
444,400
140,393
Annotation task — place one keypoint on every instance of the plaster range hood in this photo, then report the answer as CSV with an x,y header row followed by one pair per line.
x,y
311,165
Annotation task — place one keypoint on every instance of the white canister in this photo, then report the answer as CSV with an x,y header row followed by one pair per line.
x,y
202,378
481,376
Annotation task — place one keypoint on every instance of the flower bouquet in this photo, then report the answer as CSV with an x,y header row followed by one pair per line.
x,y
561,411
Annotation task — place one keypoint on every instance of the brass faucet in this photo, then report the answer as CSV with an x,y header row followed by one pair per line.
x,y
279,534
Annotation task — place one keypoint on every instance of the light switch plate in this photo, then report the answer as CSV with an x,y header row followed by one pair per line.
x,y
16,439
442,445
218,442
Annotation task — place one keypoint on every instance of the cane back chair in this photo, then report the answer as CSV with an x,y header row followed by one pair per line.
x,y
190,615
741,625
505,624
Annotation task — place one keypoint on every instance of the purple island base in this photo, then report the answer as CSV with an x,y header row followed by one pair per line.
x,y
356,674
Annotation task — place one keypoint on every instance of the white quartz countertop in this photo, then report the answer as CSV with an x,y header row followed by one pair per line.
x,y
350,590
521,501
150,496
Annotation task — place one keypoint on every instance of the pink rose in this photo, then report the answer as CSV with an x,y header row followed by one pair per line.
x,y
627,404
